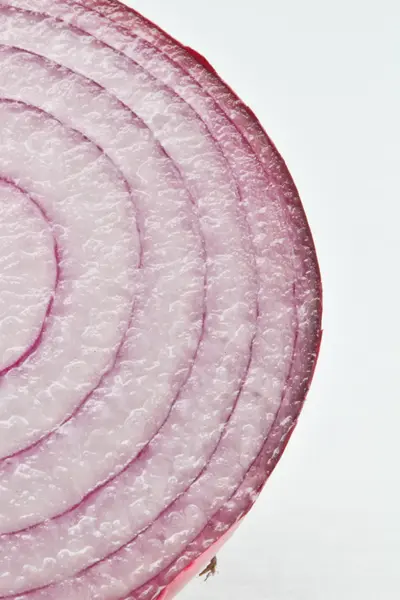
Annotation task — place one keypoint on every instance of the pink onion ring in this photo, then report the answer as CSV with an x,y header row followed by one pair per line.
x,y
162,305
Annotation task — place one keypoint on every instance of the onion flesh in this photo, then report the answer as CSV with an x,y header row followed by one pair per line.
x,y
161,311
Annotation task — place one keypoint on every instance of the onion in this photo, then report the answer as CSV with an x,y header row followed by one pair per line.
x,y
160,304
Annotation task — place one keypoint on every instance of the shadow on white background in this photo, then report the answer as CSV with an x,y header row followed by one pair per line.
x,y
323,78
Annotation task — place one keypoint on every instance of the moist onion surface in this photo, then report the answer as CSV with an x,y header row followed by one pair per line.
x,y
160,304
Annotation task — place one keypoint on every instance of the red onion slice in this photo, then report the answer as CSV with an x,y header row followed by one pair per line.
x,y
174,315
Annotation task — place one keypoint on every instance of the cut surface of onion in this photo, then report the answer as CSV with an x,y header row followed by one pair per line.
x,y
160,304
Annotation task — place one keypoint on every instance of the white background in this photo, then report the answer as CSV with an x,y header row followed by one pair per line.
x,y
323,77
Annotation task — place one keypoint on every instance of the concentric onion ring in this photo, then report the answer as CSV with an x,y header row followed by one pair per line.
x,y
175,318
26,287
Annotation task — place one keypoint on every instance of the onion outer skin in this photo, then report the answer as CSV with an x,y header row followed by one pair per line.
x,y
197,565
